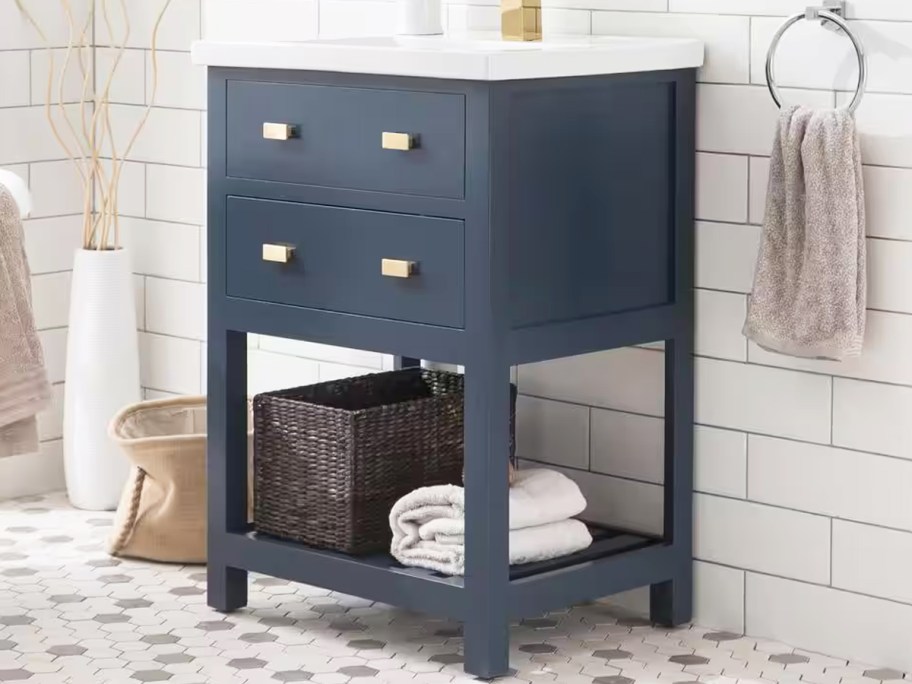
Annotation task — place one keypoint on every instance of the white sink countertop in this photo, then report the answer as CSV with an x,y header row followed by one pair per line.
x,y
476,56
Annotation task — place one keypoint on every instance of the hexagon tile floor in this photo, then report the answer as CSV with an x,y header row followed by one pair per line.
x,y
70,614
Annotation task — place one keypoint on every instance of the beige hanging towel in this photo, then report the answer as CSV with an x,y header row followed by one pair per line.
x,y
808,298
24,387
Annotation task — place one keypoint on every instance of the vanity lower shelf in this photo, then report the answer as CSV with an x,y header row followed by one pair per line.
x,y
616,561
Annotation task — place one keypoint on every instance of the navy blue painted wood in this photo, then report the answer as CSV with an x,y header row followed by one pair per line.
x,y
379,579
337,257
346,330
577,209
671,602
588,179
226,459
487,398
358,199
338,137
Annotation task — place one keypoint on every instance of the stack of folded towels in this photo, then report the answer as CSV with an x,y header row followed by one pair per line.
x,y
429,524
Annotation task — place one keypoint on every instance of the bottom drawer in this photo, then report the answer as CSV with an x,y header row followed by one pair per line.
x,y
335,260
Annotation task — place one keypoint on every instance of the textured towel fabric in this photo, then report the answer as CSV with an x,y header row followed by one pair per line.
x,y
24,388
808,298
19,190
429,524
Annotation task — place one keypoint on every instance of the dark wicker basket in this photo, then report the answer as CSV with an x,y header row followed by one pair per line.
x,y
331,459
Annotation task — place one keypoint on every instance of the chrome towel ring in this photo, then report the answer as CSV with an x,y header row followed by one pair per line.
x,y
831,13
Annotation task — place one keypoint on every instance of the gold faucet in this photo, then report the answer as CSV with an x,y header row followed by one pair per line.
x,y
520,19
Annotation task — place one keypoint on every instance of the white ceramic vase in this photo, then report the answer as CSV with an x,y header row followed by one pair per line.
x,y
102,375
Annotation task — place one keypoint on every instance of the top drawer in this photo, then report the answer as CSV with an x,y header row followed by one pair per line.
x,y
336,138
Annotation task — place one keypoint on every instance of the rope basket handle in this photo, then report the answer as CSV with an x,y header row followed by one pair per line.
x,y
127,529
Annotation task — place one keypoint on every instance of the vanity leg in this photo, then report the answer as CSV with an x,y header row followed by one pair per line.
x,y
487,444
226,463
671,602
226,588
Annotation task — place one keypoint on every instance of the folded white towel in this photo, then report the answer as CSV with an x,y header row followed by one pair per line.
x,y
540,496
429,524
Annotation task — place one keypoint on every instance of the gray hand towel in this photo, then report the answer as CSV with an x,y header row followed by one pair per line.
x,y
808,298
24,388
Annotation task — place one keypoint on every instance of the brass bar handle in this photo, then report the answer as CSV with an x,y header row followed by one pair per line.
x,y
398,141
398,268
280,254
279,131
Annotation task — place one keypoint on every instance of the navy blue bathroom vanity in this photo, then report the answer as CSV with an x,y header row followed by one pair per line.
x,y
473,221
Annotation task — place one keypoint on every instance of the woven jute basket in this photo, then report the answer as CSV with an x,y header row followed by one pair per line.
x,y
162,512
331,459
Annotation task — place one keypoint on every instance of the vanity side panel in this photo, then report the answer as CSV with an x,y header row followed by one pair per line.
x,y
590,189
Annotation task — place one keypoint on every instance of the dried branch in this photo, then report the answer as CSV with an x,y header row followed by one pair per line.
x,y
84,143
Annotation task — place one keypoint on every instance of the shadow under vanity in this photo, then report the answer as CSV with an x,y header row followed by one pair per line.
x,y
473,221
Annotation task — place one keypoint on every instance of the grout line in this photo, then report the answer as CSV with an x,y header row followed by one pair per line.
x,y
576,469
743,601
31,75
145,181
145,298
747,450
589,426
56,160
728,428
161,277
754,364
51,273
750,48
174,337
766,504
747,197
727,497
761,573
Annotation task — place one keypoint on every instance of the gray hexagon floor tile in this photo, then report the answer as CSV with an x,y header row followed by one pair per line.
x,y
71,615
721,636
247,663
152,675
538,648
293,676
788,658
883,674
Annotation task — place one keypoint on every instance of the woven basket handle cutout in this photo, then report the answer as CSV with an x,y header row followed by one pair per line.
x,y
127,529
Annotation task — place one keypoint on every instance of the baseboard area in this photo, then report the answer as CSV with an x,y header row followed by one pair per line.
x,y
29,474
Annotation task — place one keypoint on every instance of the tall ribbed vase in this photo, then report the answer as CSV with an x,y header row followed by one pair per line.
x,y
102,375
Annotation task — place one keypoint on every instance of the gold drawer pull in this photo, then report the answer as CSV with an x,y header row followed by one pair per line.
x,y
398,268
398,141
281,254
279,131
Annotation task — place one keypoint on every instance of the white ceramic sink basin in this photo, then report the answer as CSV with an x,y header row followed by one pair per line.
x,y
475,56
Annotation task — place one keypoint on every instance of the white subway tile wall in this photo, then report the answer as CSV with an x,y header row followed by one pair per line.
x,y
52,233
803,467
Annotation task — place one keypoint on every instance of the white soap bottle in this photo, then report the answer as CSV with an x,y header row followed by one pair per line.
x,y
419,18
